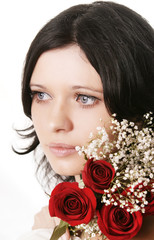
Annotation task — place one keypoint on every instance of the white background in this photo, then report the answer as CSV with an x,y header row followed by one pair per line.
x,y
20,194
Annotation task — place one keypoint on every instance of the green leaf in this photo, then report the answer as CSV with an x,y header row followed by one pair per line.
x,y
59,230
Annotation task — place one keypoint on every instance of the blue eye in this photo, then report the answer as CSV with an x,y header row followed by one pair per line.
x,y
86,100
40,96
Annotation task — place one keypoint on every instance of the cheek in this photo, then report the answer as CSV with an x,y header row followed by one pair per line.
x,y
35,117
88,120
38,120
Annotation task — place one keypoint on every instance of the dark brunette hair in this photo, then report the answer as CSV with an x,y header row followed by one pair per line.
x,y
118,43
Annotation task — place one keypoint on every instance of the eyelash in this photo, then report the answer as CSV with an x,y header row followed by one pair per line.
x,y
77,98
35,93
95,99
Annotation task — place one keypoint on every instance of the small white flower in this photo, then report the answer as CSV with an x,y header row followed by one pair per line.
x,y
77,148
133,162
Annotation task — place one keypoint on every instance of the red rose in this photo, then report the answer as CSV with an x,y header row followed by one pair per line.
x,y
72,204
117,223
98,175
149,209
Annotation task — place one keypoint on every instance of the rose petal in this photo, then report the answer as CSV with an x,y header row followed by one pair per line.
x,y
72,204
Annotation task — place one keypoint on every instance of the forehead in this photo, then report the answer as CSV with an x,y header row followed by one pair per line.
x,y
68,64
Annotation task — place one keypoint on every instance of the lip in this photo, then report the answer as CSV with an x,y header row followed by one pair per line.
x,y
61,149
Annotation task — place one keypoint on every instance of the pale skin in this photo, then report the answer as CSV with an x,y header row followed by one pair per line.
x,y
68,101
67,105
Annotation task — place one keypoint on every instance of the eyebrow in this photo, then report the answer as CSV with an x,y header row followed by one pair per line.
x,y
73,87
87,88
38,85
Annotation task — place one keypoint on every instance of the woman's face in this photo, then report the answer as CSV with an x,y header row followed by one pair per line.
x,y
67,105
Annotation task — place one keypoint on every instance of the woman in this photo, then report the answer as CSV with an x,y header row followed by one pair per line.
x,y
90,61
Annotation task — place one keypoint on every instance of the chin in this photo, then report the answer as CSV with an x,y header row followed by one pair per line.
x,y
65,168
67,171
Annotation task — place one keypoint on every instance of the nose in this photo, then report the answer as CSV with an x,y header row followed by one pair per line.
x,y
60,119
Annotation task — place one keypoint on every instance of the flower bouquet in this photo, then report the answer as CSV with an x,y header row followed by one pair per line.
x,y
116,189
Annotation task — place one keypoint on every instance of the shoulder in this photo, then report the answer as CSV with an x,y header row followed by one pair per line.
x,y
38,234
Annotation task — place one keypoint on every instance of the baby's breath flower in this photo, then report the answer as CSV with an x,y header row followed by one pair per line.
x,y
131,153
